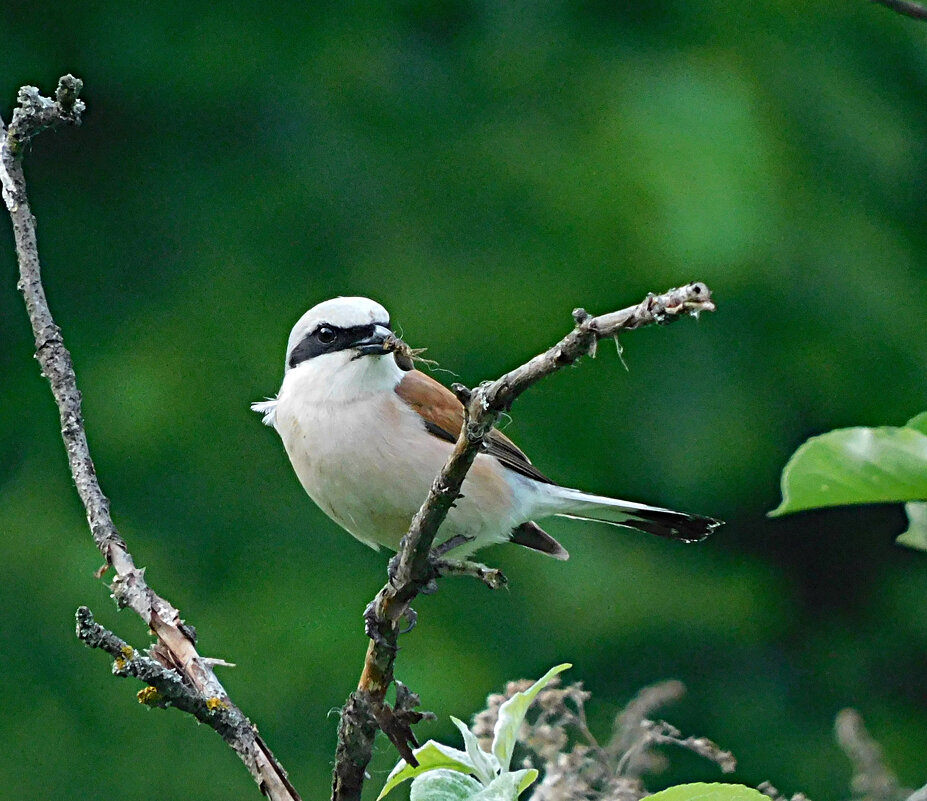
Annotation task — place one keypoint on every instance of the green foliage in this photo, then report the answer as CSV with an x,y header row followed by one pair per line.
x,y
431,756
862,465
438,763
916,534
441,784
513,712
448,785
704,791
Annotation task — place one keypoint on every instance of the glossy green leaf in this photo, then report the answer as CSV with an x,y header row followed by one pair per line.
x,y
512,713
916,535
431,756
918,423
703,791
856,465
442,784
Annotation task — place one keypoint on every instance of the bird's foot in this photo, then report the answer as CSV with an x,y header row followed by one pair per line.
x,y
371,620
411,617
374,625
392,570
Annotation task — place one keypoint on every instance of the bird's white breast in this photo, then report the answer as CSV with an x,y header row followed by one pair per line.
x,y
365,458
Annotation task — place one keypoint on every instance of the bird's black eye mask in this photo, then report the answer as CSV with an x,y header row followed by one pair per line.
x,y
325,338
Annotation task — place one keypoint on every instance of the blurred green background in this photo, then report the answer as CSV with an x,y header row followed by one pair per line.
x,y
480,168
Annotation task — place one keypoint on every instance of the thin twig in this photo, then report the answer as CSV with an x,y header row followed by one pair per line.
x,y
175,648
168,685
490,576
908,8
411,570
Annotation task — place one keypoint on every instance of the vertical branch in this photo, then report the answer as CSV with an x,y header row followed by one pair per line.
x,y
412,569
176,647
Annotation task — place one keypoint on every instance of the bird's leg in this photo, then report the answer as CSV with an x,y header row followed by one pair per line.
x,y
454,542
435,560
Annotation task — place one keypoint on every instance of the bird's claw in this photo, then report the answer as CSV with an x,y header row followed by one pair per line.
x,y
392,569
411,617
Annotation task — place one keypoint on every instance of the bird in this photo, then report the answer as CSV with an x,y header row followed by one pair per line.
x,y
366,434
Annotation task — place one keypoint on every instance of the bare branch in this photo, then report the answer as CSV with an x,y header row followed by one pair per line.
x,y
908,8
175,648
412,570
169,688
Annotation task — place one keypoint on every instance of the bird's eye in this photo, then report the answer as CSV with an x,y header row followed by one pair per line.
x,y
326,335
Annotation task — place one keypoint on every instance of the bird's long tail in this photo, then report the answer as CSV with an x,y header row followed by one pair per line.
x,y
662,522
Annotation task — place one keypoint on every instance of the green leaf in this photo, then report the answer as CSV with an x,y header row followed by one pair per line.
x,y
856,465
485,765
431,756
442,784
512,713
918,423
507,786
916,535
525,778
702,791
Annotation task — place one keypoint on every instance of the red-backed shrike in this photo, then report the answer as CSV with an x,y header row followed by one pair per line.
x,y
367,438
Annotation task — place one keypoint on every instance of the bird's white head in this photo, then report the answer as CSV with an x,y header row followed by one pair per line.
x,y
336,351
335,354
344,328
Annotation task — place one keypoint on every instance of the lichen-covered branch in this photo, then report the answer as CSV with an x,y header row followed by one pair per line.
x,y
176,648
412,568
166,687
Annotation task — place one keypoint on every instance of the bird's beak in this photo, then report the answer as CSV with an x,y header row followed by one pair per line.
x,y
374,345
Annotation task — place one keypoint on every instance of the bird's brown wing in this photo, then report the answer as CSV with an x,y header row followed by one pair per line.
x,y
443,416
